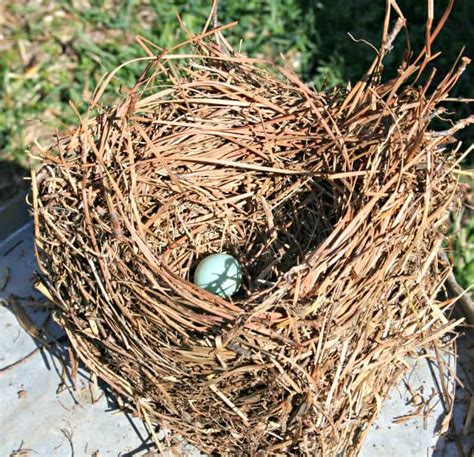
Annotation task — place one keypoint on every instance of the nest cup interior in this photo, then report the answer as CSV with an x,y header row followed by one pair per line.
x,y
270,223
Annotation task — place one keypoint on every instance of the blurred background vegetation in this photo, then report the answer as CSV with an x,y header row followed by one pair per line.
x,y
53,52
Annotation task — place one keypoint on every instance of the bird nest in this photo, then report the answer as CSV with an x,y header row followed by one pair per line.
x,y
334,204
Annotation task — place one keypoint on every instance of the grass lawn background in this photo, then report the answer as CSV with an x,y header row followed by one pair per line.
x,y
53,52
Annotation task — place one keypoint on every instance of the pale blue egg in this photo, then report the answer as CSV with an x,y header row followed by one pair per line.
x,y
220,274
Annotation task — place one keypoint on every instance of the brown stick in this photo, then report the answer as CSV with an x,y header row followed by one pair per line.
x,y
463,299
